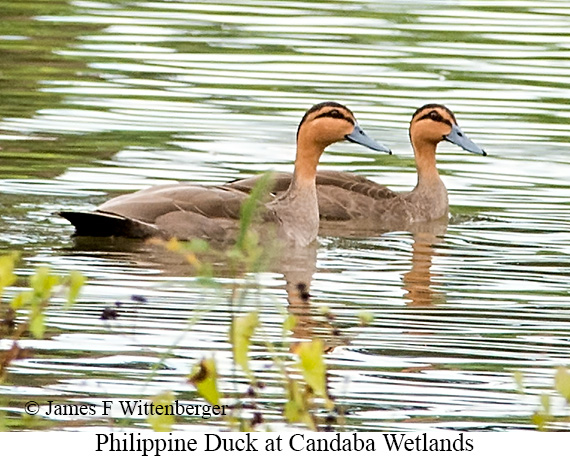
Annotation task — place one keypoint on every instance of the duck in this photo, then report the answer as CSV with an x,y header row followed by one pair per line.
x,y
352,202
186,210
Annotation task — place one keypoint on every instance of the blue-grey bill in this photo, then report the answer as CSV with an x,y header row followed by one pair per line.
x,y
460,139
358,136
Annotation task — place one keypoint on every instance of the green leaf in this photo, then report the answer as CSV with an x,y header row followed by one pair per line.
x,y
241,331
519,381
365,318
249,209
205,377
198,245
541,418
37,323
76,281
290,322
545,403
161,422
7,276
312,365
562,382
296,409
22,299
42,282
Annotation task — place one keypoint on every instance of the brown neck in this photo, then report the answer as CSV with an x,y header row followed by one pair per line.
x,y
308,155
425,162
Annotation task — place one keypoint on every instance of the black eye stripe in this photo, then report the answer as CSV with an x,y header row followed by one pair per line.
x,y
437,118
335,114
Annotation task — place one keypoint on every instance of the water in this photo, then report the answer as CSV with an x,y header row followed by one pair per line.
x,y
101,98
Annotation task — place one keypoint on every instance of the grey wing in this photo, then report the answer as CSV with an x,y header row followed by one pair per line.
x,y
280,183
357,184
150,204
346,196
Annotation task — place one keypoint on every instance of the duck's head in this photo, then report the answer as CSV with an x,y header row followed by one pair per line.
x,y
433,123
329,122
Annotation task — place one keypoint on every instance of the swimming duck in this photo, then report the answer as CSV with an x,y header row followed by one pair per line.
x,y
348,201
187,211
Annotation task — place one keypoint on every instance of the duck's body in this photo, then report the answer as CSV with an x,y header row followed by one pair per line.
x,y
348,201
183,211
187,211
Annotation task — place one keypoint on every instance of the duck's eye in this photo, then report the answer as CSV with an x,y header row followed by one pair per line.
x,y
435,116
336,114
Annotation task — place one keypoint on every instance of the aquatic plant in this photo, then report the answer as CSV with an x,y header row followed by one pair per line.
x,y
544,416
31,303
301,373
24,314
303,382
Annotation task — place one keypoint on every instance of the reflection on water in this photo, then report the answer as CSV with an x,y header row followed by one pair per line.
x,y
419,282
102,98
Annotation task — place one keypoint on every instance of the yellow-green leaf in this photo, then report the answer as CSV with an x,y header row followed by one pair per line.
x,y
42,281
289,323
545,403
30,422
7,276
173,245
296,409
365,318
325,311
312,365
198,245
161,422
242,329
292,411
205,377
22,299
519,381
76,281
540,420
249,209
562,382
37,324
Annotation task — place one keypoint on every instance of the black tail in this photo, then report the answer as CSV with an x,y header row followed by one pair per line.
x,y
94,223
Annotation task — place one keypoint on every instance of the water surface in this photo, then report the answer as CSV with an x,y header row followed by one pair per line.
x,y
100,98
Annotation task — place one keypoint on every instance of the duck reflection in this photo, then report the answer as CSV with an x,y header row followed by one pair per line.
x,y
298,267
419,281
296,264
298,270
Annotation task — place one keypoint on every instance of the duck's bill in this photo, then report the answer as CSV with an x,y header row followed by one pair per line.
x,y
460,139
358,136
